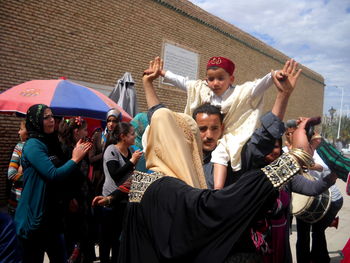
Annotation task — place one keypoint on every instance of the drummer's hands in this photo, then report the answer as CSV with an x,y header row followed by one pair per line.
x,y
80,150
300,139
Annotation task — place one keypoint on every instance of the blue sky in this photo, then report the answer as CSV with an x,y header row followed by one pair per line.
x,y
316,33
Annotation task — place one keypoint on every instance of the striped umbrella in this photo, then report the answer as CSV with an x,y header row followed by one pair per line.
x,y
64,97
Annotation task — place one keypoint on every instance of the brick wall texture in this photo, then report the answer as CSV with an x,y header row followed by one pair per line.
x,y
97,41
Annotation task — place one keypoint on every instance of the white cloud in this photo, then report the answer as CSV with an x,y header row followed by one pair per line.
x,y
314,32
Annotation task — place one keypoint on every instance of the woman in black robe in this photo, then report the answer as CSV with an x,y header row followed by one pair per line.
x,y
170,220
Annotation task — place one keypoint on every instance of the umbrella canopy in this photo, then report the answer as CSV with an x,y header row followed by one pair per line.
x,y
124,94
64,97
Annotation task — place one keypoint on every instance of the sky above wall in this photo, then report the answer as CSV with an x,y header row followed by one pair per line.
x,y
315,33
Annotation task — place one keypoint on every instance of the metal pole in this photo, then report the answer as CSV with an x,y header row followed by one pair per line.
x,y
341,109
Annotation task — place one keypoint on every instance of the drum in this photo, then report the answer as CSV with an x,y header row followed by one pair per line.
x,y
310,209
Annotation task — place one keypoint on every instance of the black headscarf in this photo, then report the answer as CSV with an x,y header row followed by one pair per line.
x,y
35,122
35,129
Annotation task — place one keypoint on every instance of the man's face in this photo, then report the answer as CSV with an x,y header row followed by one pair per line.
x,y
210,128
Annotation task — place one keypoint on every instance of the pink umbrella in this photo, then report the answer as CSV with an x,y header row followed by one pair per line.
x,y
64,97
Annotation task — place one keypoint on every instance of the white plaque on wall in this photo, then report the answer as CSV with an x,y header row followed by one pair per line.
x,y
181,61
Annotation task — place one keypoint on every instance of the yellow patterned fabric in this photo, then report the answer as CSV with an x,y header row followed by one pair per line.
x,y
174,147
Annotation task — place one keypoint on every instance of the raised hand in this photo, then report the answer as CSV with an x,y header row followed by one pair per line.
x,y
154,69
285,80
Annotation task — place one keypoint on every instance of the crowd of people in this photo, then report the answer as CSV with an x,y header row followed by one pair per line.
x,y
212,184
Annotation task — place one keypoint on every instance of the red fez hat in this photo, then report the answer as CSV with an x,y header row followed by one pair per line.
x,y
222,62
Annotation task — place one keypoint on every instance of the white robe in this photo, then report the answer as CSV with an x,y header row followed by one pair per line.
x,y
242,107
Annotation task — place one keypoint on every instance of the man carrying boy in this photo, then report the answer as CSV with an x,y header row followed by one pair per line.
x,y
241,106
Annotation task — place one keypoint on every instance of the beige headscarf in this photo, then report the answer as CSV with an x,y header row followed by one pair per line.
x,y
174,147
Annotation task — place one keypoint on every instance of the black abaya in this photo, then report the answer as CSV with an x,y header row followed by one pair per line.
x,y
175,222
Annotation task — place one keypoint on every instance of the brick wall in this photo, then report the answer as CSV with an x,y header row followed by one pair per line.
x,y
97,41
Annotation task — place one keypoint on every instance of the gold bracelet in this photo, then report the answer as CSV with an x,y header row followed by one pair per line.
x,y
302,156
316,136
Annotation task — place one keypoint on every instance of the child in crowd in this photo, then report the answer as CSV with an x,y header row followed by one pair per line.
x,y
240,104
15,171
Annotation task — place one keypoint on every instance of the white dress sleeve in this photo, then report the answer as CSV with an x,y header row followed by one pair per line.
x,y
262,85
176,80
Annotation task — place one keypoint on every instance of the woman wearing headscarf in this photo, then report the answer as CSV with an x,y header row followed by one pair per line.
x,y
39,213
99,139
171,216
